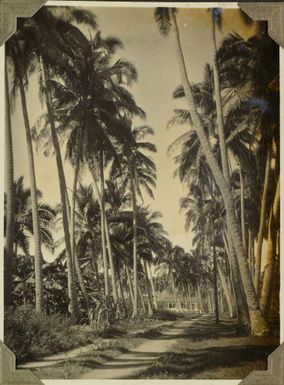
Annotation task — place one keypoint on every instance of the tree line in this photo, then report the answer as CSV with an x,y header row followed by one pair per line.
x,y
228,160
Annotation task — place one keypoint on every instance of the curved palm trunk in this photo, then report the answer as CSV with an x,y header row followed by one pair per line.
x,y
73,306
258,323
34,199
219,110
263,214
10,207
135,272
271,251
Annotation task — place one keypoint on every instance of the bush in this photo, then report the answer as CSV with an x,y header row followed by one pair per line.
x,y
31,335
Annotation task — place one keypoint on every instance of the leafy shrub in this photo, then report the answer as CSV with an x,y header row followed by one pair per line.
x,y
32,335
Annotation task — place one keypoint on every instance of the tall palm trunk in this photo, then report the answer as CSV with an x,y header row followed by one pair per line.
x,y
263,214
243,223
219,110
152,286
258,323
240,298
215,283
120,287
134,210
130,286
174,289
149,296
73,306
103,237
34,198
10,206
75,257
141,298
108,241
271,251
226,290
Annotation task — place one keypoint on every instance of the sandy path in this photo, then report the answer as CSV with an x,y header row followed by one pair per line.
x,y
138,359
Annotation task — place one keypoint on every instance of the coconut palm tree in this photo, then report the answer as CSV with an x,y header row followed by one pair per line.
x,y
44,27
138,171
166,17
10,216
17,49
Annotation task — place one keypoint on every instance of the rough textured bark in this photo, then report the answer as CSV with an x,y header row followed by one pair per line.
x,y
271,251
73,306
10,205
258,323
263,215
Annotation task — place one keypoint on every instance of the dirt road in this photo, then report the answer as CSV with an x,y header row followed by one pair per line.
x,y
133,362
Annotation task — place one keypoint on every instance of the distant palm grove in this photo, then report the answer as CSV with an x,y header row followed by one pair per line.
x,y
113,258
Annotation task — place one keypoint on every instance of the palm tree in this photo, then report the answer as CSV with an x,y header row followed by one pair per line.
x,y
139,171
23,226
42,27
10,221
166,18
21,57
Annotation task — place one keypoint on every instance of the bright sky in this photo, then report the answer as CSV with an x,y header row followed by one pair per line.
x,y
155,60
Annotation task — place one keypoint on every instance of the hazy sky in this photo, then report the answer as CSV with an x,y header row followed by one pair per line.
x,y
155,60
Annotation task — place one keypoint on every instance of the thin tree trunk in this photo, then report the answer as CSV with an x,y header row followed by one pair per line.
x,y
76,262
74,310
34,198
121,289
243,209
271,251
108,241
263,215
103,237
226,290
258,323
149,296
135,272
200,299
141,298
219,111
152,286
215,284
174,289
10,205
130,285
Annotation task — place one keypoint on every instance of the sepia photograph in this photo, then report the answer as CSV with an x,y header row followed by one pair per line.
x,y
142,192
